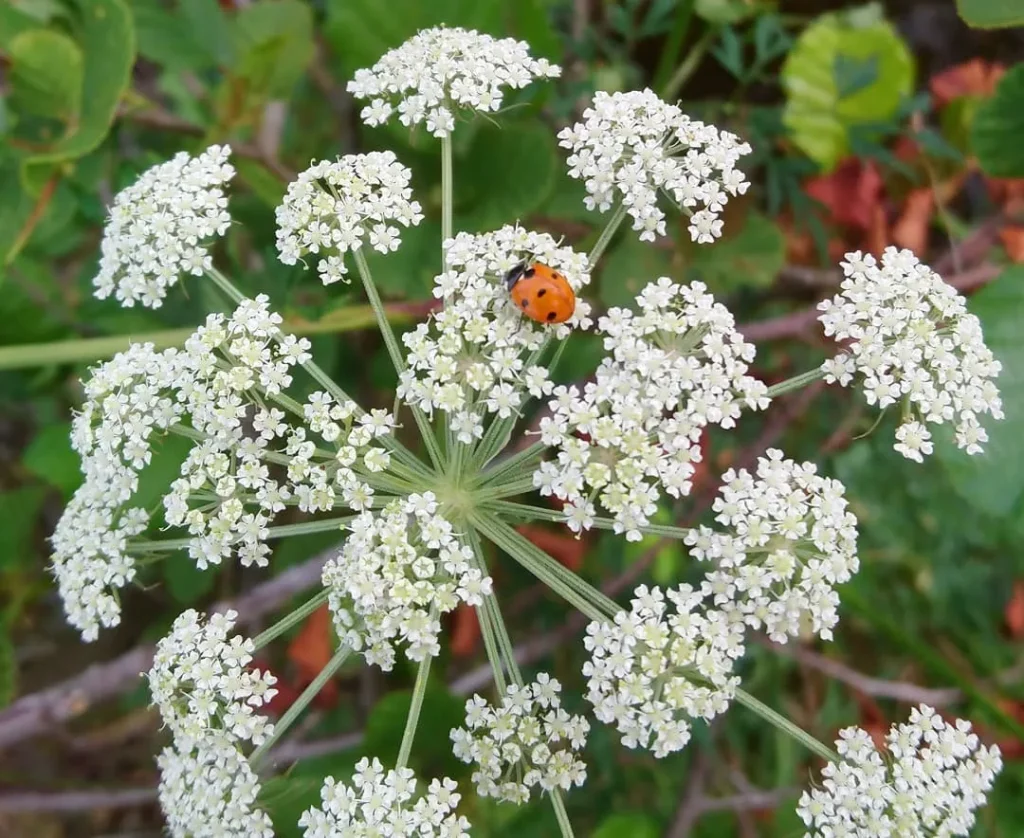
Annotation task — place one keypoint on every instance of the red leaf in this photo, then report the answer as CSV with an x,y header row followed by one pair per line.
x,y
566,549
1014,611
309,652
1012,238
976,77
465,631
851,193
911,228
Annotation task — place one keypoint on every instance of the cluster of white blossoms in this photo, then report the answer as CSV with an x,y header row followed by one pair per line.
x,y
632,145
790,541
528,741
475,356
440,70
159,227
335,207
380,802
912,339
676,367
397,573
929,782
209,790
654,669
200,681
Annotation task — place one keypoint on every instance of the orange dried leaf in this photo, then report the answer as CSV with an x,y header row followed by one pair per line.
x,y
465,631
1014,611
1012,238
976,77
911,228
310,650
851,193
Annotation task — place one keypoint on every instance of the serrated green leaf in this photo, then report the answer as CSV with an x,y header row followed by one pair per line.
x,y
991,14
512,172
751,254
273,45
825,77
993,481
999,126
107,41
628,825
50,457
45,74
628,268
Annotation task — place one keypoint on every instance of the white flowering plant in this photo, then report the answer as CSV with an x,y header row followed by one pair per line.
x,y
425,524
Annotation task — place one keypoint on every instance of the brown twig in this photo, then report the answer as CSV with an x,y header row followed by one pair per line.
x,y
75,801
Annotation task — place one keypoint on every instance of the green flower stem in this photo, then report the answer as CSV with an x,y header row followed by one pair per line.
x,y
500,471
690,64
526,512
796,382
397,359
495,438
505,490
606,236
292,619
300,704
574,590
560,814
324,380
446,196
483,618
280,531
553,365
787,727
412,721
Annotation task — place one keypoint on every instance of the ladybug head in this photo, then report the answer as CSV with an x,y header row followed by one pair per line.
x,y
515,274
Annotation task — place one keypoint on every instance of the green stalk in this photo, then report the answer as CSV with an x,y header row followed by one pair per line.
x,y
483,618
560,814
538,513
446,196
412,721
796,382
498,472
787,727
606,236
293,712
673,44
690,64
280,531
292,619
509,489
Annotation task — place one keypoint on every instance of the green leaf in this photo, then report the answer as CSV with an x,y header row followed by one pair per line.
x,y
265,184
728,11
287,796
628,825
45,74
167,39
628,268
8,667
210,27
19,510
843,71
993,481
15,206
999,126
169,453
273,44
12,23
50,457
409,272
511,171
749,257
107,40
186,582
991,14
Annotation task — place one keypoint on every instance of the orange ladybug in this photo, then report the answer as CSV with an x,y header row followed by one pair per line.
x,y
540,292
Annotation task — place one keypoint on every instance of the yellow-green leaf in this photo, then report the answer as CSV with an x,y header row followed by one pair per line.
x,y
45,74
991,14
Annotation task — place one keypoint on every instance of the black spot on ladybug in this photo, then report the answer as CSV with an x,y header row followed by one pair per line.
x,y
556,275
551,315
525,302
529,272
542,292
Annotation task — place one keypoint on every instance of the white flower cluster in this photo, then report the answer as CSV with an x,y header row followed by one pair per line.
x,y
636,145
210,791
159,227
399,570
653,670
471,358
930,781
383,802
676,367
440,70
913,340
200,681
335,207
528,741
791,540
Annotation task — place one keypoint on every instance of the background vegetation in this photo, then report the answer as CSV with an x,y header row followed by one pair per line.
x,y
871,126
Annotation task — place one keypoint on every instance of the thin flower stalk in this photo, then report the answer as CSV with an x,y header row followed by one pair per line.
x,y
419,690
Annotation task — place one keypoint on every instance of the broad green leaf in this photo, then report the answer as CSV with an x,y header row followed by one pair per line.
x,y
107,40
991,14
19,510
628,268
167,39
750,254
273,44
408,273
50,457
512,172
999,126
15,206
12,23
45,74
8,667
209,25
993,481
844,70
169,453
186,582
628,825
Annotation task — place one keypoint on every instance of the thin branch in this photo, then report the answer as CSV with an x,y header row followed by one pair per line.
x,y
75,801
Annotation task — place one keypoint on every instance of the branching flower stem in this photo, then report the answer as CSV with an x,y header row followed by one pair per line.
x,y
416,705
787,727
796,382
525,512
279,531
446,195
609,231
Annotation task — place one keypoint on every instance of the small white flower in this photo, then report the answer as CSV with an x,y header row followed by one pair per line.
x,y
334,207
652,670
638,146
790,541
441,70
399,570
912,340
160,225
380,803
528,741
930,781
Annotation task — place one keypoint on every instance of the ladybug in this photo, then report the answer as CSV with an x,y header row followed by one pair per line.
x,y
540,292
